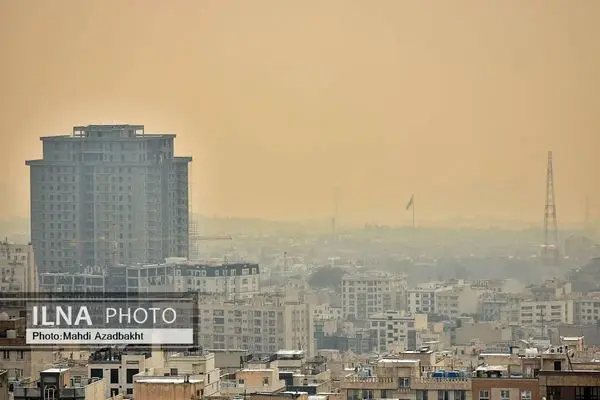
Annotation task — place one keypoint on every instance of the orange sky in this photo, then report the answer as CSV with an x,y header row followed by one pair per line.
x,y
280,101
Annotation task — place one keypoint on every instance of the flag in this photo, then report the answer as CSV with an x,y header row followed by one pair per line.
x,y
410,202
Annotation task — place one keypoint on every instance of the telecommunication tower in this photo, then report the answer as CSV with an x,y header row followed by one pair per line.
x,y
550,249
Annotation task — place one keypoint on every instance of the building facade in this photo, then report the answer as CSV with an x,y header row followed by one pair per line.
x,y
586,311
108,194
421,299
18,271
363,295
263,324
237,280
393,330
546,312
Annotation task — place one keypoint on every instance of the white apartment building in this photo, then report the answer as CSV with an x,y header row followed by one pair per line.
x,y
394,330
364,295
586,311
421,299
539,313
263,324
18,272
239,280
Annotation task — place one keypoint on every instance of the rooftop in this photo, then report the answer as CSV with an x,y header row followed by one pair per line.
x,y
54,370
168,379
397,361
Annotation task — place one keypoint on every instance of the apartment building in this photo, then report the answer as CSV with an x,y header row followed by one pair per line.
x,y
256,377
262,324
567,385
402,377
452,301
52,282
190,374
421,299
366,294
108,194
325,312
18,271
19,359
196,361
549,290
586,311
395,331
546,312
118,366
238,280
501,307
60,384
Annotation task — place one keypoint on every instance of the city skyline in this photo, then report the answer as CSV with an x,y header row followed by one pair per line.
x,y
260,116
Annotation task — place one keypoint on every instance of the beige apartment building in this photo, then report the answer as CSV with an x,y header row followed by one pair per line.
x,y
263,324
367,294
454,300
18,272
185,375
19,359
60,384
119,366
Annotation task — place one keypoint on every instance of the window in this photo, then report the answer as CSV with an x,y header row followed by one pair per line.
x,y
130,373
114,376
443,395
422,394
97,373
403,382
484,395
504,394
526,395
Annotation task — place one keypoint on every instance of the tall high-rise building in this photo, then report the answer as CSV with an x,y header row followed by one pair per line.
x,y
108,194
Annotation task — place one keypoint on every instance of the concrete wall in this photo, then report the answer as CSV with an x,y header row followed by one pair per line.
x,y
166,391
514,386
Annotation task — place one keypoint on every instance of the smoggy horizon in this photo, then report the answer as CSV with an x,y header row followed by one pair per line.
x,y
280,103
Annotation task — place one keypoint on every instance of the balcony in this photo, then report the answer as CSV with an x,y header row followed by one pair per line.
x,y
441,383
371,382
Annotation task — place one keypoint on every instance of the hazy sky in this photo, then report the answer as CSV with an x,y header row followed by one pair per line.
x,y
280,101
